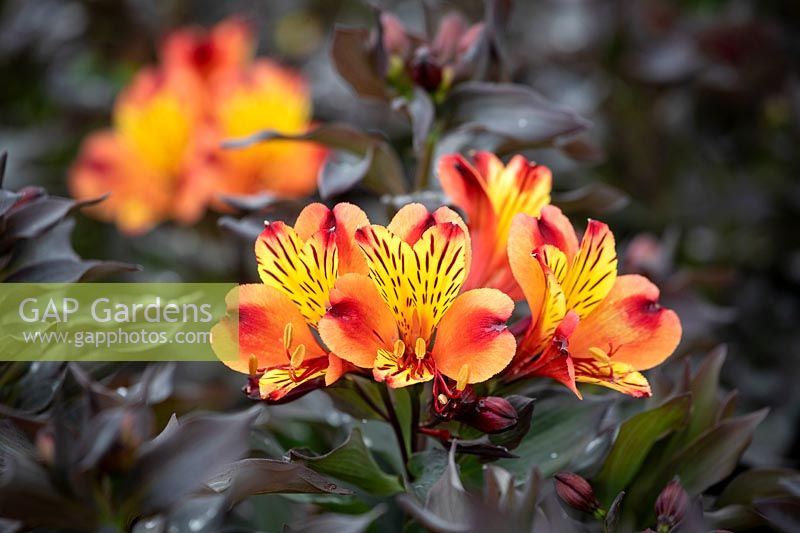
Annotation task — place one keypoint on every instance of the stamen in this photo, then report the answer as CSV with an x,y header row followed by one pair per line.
x,y
253,362
598,354
442,399
463,377
287,335
420,348
399,348
298,355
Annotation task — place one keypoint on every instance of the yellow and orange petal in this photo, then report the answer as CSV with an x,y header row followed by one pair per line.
x,y
358,323
411,221
491,194
344,219
593,270
211,54
278,381
256,325
472,338
419,282
106,166
630,326
157,116
600,369
266,97
304,271
554,303
528,234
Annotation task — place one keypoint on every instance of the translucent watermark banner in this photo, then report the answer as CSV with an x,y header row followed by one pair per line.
x,y
112,321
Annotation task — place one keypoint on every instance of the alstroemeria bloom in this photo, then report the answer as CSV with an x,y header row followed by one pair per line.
x,y
151,162
588,324
266,97
406,320
274,320
162,160
491,194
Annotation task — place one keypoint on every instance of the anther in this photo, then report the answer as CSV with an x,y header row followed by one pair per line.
x,y
399,348
442,399
298,355
599,354
253,362
287,335
420,348
463,377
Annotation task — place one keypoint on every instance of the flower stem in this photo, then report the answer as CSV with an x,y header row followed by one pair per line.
x,y
422,175
398,431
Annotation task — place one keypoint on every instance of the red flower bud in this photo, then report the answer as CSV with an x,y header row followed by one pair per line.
x,y
576,492
671,505
492,414
425,70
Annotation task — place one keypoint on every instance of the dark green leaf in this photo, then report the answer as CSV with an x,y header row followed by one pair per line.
x,y
516,112
704,388
755,484
614,513
267,476
637,435
358,397
421,113
342,171
426,467
352,463
188,456
357,62
560,430
340,523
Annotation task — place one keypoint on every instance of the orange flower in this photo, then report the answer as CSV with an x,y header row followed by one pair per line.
x,y
588,324
266,97
162,160
151,162
387,321
490,195
273,321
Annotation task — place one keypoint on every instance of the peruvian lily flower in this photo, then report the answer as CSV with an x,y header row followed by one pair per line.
x,y
151,161
588,324
406,320
273,321
491,194
162,159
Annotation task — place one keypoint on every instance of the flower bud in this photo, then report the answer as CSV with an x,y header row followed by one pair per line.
x,y
425,70
492,414
576,492
671,505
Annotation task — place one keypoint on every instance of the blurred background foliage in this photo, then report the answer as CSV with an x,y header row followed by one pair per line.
x,y
695,103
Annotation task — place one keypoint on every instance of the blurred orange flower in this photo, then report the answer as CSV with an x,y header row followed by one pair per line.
x,y
162,158
491,194
587,324
152,161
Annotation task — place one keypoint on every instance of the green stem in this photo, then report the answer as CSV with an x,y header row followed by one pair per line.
x,y
414,391
398,431
423,172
